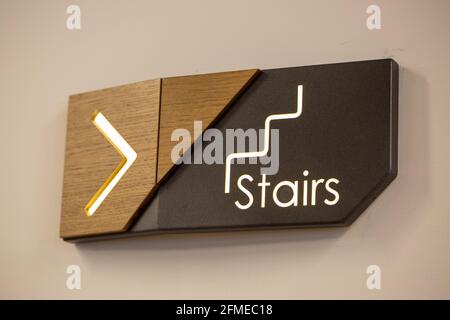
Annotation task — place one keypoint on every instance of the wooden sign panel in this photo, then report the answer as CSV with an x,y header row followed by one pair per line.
x,y
92,161
103,190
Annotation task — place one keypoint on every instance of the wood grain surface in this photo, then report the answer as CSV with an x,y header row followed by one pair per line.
x,y
199,97
145,114
133,110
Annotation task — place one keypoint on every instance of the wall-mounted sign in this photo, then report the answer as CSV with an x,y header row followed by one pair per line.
x,y
283,148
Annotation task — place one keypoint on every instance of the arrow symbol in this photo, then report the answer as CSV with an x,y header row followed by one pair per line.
x,y
123,148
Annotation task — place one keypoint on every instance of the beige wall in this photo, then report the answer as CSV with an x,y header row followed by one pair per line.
x,y
406,231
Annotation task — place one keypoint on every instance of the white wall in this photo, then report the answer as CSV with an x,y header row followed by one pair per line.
x,y
406,231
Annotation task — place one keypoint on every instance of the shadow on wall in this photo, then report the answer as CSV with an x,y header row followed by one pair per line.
x,y
384,221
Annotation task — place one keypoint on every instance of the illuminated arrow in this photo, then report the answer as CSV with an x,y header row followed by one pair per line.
x,y
128,157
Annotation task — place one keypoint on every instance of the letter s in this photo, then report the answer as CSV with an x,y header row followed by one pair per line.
x,y
243,189
332,191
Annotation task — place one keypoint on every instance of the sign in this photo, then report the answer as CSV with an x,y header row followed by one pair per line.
x,y
295,147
